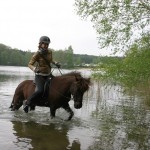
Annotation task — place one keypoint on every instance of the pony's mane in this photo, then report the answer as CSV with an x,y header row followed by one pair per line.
x,y
73,73
83,82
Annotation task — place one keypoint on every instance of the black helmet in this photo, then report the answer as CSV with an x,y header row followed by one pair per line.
x,y
44,39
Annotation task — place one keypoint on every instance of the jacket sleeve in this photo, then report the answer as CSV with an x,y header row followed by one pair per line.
x,y
32,61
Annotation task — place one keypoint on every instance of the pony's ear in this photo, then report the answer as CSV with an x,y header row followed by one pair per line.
x,y
87,83
88,80
78,78
84,80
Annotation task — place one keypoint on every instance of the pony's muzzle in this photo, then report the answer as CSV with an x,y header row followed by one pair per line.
x,y
77,105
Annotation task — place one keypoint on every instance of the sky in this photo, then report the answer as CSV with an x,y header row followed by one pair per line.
x,y
23,22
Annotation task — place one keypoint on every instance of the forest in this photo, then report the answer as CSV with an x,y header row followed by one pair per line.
x,y
67,58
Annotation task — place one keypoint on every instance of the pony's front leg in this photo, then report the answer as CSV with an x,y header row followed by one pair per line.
x,y
69,110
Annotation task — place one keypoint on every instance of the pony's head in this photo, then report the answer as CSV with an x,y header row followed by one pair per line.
x,y
78,88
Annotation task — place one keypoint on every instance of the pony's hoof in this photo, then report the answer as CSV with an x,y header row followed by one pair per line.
x,y
26,108
52,117
69,118
32,107
12,109
11,106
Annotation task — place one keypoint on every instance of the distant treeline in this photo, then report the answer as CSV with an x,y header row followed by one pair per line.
x,y
15,57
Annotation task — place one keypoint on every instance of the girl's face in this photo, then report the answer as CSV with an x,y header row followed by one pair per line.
x,y
44,46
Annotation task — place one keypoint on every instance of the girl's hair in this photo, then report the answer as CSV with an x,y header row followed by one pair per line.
x,y
39,46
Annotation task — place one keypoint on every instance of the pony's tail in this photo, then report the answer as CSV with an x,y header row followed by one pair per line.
x,y
12,104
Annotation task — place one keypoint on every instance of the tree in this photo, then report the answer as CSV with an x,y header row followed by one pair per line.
x,y
69,57
133,70
118,23
27,57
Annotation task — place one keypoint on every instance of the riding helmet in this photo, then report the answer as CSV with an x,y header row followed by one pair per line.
x,y
44,39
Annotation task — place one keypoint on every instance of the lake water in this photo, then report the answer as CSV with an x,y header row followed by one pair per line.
x,y
108,120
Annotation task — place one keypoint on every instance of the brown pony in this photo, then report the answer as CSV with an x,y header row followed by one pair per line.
x,y
59,94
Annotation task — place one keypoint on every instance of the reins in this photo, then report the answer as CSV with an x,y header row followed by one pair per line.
x,y
62,94
72,96
57,90
59,71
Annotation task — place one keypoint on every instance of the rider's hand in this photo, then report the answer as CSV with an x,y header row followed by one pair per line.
x,y
36,70
58,65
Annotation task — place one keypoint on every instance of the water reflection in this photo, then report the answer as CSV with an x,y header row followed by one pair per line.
x,y
39,137
6,136
31,135
124,122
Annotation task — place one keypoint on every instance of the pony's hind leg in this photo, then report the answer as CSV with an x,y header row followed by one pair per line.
x,y
16,103
16,106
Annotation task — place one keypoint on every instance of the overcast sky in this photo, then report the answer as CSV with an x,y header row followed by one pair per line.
x,y
23,22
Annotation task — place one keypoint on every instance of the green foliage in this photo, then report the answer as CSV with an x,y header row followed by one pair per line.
x,y
9,56
108,69
133,69
69,57
86,59
137,61
118,23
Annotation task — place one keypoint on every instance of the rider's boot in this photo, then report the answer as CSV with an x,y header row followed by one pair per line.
x,y
29,102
